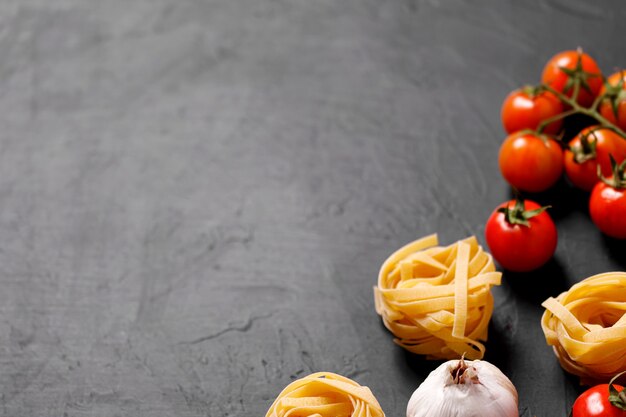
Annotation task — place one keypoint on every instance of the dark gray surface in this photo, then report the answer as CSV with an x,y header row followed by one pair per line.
x,y
196,196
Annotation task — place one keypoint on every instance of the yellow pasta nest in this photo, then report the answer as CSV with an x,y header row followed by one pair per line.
x,y
437,300
325,394
587,327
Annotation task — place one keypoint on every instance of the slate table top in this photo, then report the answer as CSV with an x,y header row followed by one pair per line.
x,y
196,196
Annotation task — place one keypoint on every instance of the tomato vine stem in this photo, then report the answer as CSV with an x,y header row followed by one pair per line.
x,y
578,109
554,118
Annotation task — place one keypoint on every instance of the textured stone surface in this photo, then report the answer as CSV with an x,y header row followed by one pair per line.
x,y
196,196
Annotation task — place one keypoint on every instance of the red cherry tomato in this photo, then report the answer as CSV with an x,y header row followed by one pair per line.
x,y
607,207
618,100
590,74
595,403
518,247
529,162
581,165
523,109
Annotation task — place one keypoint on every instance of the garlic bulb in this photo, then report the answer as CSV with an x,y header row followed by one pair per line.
x,y
460,388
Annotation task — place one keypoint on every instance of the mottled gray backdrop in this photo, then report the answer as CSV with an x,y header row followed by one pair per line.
x,y
196,196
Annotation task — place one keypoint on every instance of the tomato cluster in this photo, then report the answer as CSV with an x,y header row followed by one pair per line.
x,y
571,83
535,154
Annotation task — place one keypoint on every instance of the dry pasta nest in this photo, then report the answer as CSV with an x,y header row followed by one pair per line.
x,y
587,327
325,394
437,300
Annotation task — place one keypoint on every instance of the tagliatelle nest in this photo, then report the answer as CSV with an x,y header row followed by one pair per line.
x,y
587,327
437,300
325,394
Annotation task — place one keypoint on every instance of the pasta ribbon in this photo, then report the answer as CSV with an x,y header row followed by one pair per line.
x,y
586,326
325,394
437,300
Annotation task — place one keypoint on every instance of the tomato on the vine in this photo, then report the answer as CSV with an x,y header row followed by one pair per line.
x,y
568,67
607,204
527,107
604,400
530,162
613,106
590,148
521,235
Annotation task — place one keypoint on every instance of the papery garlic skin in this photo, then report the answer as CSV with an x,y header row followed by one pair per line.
x,y
489,394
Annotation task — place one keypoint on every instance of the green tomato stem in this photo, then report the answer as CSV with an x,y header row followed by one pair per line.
x,y
576,90
577,108
543,125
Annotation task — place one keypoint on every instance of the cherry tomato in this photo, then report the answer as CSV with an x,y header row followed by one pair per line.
x,y
526,109
579,65
595,403
517,246
581,164
616,100
529,162
607,207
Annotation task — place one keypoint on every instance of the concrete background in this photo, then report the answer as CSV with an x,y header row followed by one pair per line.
x,y
196,196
